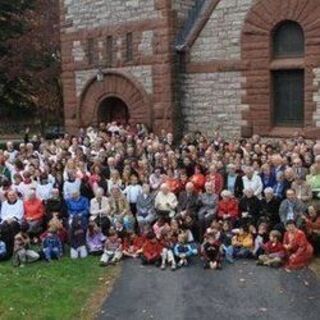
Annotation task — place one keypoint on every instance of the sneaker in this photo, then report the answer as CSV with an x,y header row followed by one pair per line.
x,y
163,267
213,265
180,263
173,267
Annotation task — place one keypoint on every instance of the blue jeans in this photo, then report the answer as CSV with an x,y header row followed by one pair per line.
x,y
51,253
241,253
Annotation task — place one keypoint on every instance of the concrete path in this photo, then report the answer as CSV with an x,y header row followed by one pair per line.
x,y
241,291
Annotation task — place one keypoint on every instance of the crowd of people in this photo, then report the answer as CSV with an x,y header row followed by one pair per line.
x,y
123,192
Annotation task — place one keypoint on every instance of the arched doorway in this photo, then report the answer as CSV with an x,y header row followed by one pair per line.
x,y
117,96
113,109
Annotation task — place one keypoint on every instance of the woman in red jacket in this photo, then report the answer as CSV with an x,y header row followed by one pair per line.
x,y
34,213
299,251
312,222
228,207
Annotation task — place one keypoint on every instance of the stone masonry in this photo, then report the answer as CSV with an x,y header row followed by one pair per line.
x,y
84,14
143,74
213,100
221,37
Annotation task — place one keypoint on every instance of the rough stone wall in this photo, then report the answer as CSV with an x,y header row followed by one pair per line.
x,y
221,37
84,14
183,7
316,96
211,100
143,75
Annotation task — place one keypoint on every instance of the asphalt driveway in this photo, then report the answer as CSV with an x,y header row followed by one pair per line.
x,y
241,291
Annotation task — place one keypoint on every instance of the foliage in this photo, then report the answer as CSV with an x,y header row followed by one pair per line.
x,y
56,290
30,58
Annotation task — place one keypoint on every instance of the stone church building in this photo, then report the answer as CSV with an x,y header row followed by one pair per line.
x,y
247,66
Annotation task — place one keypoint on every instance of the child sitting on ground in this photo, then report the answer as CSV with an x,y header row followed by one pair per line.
x,y
60,231
183,250
168,241
226,240
242,243
112,249
51,244
95,239
274,251
22,254
151,250
260,239
77,239
210,250
132,245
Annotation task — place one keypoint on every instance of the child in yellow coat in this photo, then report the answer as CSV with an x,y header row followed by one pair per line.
x,y
243,243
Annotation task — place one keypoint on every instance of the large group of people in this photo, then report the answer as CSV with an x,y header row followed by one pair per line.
x,y
121,191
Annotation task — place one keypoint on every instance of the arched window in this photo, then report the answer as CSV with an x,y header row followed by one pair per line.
x,y
288,75
288,40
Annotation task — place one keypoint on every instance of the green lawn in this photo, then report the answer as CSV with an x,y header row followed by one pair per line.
x,y
63,289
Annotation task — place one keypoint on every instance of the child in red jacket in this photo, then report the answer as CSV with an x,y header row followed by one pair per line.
x,y
132,245
151,250
274,251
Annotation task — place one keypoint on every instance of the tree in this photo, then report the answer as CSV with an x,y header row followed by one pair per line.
x,y
31,60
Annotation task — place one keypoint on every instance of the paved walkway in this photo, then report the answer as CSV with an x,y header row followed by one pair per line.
x,y
242,291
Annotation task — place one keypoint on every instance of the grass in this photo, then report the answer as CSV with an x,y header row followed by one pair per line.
x,y
63,289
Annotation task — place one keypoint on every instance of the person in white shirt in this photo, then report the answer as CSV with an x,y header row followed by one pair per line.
x,y
251,180
100,210
71,186
12,153
12,210
132,192
166,202
44,187
155,179
27,185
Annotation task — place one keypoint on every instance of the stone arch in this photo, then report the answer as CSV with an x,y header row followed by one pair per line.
x,y
119,85
256,52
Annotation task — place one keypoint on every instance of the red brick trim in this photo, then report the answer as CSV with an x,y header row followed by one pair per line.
x,y
115,84
216,66
261,20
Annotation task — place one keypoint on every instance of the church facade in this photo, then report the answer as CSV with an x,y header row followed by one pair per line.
x,y
246,66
